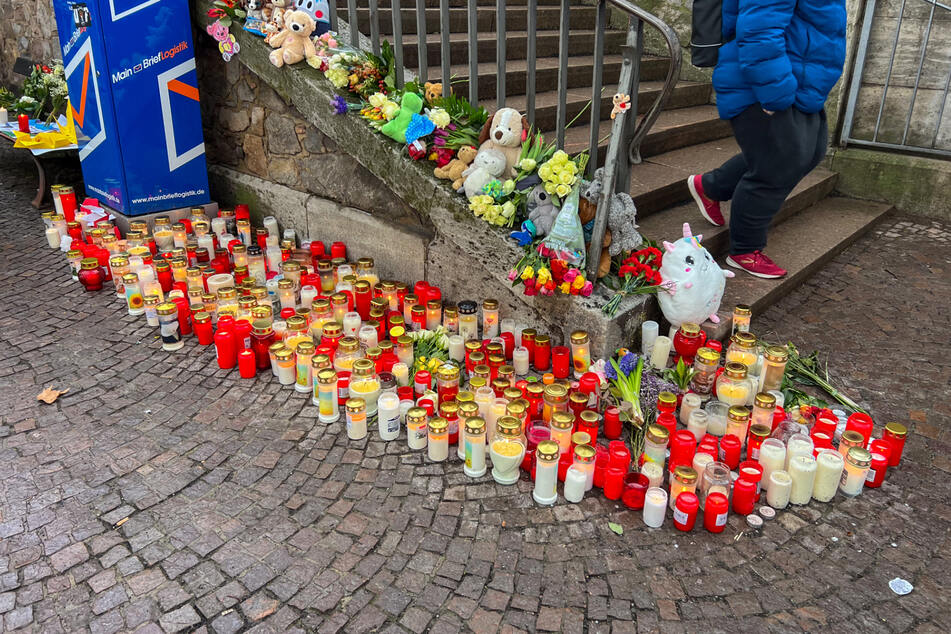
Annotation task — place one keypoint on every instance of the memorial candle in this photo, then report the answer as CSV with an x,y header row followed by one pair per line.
x,y
829,466
802,470
895,435
655,507
779,489
772,457
660,352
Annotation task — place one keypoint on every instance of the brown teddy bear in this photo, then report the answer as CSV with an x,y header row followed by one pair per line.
x,y
432,92
453,170
293,43
586,212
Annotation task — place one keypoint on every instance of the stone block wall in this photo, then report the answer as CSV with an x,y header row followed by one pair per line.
x,y
250,129
27,29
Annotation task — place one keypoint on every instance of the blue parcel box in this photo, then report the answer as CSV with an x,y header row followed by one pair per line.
x,y
130,69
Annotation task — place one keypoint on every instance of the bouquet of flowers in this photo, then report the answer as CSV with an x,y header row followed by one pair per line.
x,y
560,173
430,349
636,390
225,11
44,93
487,208
541,275
638,274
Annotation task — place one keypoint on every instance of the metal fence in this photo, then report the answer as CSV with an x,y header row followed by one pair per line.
x,y
627,133
910,65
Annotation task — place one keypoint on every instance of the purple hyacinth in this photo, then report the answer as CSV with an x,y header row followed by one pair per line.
x,y
628,363
339,105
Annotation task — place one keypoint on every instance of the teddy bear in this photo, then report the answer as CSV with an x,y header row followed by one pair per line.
x,y
431,92
622,226
293,44
226,42
586,212
454,169
505,132
541,216
489,164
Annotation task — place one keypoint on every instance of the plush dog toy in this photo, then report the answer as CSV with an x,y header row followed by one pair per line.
x,y
454,169
293,44
505,132
488,165
410,104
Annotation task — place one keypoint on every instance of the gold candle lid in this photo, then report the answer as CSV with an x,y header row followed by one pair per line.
x,y
685,474
356,404
475,424
562,421
437,425
548,451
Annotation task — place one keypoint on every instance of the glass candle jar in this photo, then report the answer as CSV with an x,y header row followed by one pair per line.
x,y
490,318
580,352
772,457
555,400
764,405
286,363
737,422
758,434
895,435
450,411
701,460
356,418
417,429
742,314
684,478
584,459
433,314
304,380
168,327
660,353
717,413
802,471
133,293
327,397
829,468
848,440
774,367
697,423
655,507
546,473
447,382
742,349
450,319
688,405
561,425
655,445
779,489
388,418
861,423
798,445
468,321
365,384
733,386
857,463
687,341
457,350
716,479
475,447
438,439
507,450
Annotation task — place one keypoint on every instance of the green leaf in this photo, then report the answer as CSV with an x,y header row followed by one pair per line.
x,y
225,21
617,528
240,13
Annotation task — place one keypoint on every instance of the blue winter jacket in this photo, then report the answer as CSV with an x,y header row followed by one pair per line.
x,y
780,53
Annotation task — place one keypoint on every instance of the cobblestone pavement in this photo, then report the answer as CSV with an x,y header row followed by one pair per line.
x,y
243,514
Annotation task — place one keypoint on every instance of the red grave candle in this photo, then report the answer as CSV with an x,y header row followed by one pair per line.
x,y
620,455
564,461
67,199
528,342
744,496
614,483
862,423
730,451
508,343
612,423
226,322
895,435
203,330
880,451
588,423
247,366
242,333
225,349
683,446
184,315
560,361
362,296
716,509
542,353
669,422
685,511
752,471
242,212
23,120
601,463
338,250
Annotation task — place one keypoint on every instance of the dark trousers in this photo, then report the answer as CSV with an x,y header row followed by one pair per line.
x,y
778,151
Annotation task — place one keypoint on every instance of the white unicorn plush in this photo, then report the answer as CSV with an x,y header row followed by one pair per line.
x,y
693,281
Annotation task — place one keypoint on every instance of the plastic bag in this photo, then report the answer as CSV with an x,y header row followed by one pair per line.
x,y
566,237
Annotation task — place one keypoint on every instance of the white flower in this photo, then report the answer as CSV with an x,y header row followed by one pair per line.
x,y
439,117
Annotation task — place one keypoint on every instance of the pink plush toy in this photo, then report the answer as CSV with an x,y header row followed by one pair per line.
x,y
226,42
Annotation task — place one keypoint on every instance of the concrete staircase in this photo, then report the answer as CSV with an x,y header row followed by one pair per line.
x,y
688,137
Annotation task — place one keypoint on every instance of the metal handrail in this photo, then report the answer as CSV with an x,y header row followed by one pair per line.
x,y
627,133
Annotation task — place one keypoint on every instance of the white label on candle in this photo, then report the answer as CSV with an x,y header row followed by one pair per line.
x,y
721,519
870,476
680,516
754,453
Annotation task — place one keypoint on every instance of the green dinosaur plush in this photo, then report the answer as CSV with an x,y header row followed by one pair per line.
x,y
396,128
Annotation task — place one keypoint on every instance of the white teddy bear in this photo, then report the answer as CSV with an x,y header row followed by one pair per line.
x,y
487,166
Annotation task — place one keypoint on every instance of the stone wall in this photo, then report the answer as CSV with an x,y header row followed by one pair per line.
x,y
250,129
27,29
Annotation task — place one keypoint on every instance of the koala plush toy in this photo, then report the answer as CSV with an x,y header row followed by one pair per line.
x,y
487,166
541,216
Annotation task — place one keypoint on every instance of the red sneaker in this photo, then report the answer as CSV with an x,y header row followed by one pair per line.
x,y
756,263
709,209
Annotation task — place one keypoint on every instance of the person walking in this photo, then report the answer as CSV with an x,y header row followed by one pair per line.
x,y
773,75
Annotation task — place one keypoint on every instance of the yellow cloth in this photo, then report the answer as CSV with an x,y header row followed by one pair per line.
x,y
63,137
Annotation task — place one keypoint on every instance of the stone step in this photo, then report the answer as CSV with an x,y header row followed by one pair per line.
x,y
685,94
674,128
516,19
660,181
516,42
668,224
546,74
802,245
